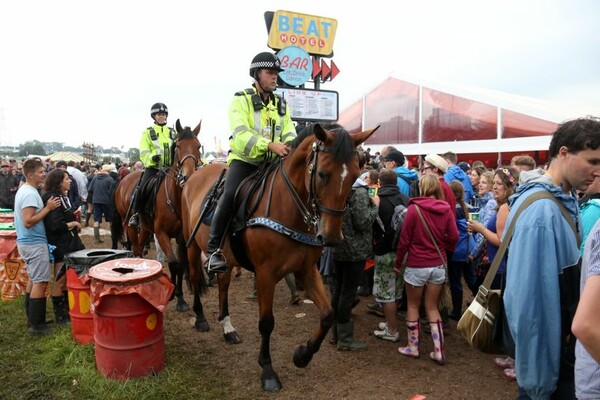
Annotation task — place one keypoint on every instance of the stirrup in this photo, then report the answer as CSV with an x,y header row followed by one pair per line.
x,y
216,262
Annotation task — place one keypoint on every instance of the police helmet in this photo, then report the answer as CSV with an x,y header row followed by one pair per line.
x,y
265,60
158,108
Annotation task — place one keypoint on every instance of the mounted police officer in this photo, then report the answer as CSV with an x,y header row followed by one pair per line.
x,y
261,125
155,152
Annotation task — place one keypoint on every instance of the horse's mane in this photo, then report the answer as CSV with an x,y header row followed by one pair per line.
x,y
186,133
342,148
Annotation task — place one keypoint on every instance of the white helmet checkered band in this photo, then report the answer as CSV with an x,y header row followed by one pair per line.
x,y
265,60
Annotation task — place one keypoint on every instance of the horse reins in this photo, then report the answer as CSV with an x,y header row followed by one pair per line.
x,y
310,218
179,178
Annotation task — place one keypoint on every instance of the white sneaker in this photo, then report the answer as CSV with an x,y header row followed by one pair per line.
x,y
386,335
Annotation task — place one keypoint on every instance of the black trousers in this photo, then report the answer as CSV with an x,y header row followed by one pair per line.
x,y
149,173
347,275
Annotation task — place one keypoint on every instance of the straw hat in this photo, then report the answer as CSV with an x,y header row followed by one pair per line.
x,y
437,161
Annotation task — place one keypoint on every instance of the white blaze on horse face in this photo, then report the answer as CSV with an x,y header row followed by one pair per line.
x,y
343,175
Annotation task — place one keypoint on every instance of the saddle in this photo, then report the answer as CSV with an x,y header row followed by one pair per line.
x,y
148,193
246,201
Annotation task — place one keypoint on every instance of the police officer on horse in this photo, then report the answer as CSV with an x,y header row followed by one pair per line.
x,y
155,152
261,128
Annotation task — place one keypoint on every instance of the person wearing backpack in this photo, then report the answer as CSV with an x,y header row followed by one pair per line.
x,y
387,286
542,266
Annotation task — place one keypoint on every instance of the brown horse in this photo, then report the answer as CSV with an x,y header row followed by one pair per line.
x,y
166,221
300,210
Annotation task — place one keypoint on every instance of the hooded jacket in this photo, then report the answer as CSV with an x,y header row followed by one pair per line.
x,y
357,226
542,246
415,240
455,173
405,178
389,198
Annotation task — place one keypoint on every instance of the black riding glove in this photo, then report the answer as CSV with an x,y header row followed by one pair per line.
x,y
156,158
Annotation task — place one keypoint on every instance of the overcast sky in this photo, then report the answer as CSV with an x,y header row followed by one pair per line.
x,y
75,71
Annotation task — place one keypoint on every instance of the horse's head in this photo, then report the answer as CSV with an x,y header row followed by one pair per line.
x,y
331,170
187,152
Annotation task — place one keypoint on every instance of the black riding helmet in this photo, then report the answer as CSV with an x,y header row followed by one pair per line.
x,y
158,108
264,60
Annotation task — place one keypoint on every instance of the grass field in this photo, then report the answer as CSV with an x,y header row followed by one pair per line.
x,y
57,367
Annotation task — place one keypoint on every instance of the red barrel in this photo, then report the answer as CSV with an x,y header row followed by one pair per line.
x,y
129,296
82,323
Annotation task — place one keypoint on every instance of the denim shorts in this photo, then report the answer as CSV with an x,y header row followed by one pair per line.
x,y
422,276
387,285
37,261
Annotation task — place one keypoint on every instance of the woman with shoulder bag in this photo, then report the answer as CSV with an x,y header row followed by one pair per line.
x,y
62,231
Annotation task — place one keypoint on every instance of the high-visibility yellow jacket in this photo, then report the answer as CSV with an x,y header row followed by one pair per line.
x,y
255,124
156,140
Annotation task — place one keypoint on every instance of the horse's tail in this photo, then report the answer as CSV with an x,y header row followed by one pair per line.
x,y
185,264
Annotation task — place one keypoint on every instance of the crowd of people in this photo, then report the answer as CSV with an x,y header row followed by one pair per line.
x,y
452,218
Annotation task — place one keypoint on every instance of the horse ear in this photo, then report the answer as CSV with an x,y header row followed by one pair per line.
x,y
196,130
178,127
358,138
319,132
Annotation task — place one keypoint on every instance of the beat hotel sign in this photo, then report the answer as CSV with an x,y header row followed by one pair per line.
x,y
313,34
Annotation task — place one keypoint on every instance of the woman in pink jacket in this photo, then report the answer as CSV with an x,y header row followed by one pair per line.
x,y
425,265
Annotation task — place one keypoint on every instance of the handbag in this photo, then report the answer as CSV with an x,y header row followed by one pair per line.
x,y
477,323
445,300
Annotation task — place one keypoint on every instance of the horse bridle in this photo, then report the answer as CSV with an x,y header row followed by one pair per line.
x,y
311,218
180,178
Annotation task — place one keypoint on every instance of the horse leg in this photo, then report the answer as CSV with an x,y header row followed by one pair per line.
x,y
312,283
265,286
134,240
181,273
174,268
195,276
229,333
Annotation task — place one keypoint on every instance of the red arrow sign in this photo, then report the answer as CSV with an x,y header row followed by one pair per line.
x,y
325,71
334,71
316,68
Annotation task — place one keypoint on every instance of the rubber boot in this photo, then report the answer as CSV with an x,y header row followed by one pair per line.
x,y
37,317
67,308
334,334
290,280
346,338
412,349
134,220
27,296
216,261
437,335
58,303
97,237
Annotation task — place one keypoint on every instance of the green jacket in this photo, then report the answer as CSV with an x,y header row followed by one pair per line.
x,y
160,144
253,129
357,226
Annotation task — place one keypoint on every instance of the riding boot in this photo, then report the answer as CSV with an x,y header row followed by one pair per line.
x,y
412,349
216,260
134,220
346,337
58,303
437,334
97,237
37,317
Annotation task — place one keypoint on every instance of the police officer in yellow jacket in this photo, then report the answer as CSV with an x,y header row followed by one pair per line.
x,y
155,152
261,125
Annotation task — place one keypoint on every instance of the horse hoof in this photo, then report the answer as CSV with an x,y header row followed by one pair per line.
x,y
232,338
182,306
271,384
302,357
202,326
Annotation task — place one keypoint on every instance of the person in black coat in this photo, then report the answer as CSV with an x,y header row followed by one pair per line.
x,y
62,231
